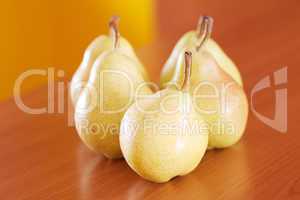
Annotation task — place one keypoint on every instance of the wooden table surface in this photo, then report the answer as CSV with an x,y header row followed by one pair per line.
x,y
41,157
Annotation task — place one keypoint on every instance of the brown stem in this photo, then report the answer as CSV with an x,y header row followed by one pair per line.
x,y
187,70
204,30
114,31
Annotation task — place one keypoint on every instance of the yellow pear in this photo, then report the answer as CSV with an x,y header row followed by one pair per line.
x,y
162,136
216,95
95,49
113,83
190,40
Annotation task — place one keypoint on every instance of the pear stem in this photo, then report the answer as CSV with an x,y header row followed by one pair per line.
x,y
187,70
114,31
204,30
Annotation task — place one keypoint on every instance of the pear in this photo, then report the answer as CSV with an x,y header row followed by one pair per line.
x,y
99,45
216,95
162,136
191,40
113,83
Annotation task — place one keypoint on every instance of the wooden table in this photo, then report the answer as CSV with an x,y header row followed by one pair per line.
x,y
42,158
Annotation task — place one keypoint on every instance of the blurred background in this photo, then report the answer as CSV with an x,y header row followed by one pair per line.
x,y
54,33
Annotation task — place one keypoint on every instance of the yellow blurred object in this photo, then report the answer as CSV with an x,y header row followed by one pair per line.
x,y
41,34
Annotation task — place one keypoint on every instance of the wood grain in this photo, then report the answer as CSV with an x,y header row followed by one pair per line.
x,y
42,158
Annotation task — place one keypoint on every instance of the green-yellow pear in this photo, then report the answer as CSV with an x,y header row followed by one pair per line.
x,y
190,40
95,49
113,83
216,95
162,136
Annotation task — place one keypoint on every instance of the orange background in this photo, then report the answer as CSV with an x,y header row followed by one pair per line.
x,y
39,34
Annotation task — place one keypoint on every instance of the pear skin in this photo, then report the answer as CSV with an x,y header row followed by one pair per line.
x,y
218,98
159,155
216,95
189,41
95,49
162,136
113,83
